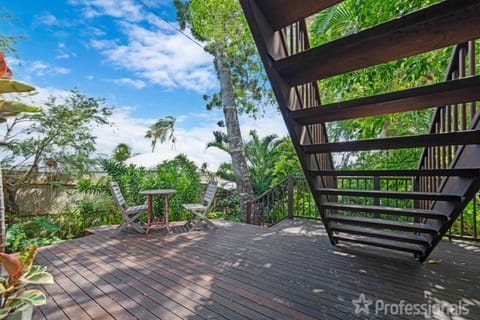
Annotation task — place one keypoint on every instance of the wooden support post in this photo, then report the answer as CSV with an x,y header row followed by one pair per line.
x,y
290,196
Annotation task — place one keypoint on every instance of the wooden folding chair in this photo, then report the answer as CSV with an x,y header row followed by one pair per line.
x,y
199,210
130,215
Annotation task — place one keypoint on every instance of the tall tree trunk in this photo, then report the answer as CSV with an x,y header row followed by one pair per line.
x,y
2,215
235,142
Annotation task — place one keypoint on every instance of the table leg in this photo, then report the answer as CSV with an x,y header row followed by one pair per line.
x,y
150,213
166,213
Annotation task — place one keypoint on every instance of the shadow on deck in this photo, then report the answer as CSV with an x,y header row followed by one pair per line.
x,y
246,272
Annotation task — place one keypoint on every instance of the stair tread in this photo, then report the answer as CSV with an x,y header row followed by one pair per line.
x,y
281,13
383,243
440,94
437,26
424,140
399,173
392,235
425,213
383,223
392,194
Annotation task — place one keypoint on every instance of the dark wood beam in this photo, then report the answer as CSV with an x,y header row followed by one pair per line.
x,y
441,94
383,223
401,212
387,244
397,236
437,26
391,194
425,140
400,173
281,13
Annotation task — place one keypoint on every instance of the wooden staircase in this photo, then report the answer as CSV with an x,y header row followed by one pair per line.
x,y
448,175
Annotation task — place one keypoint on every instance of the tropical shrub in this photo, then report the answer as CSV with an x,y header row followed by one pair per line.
x,y
21,272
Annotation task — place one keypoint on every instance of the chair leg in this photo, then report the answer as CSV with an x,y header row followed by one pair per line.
x,y
132,222
120,228
210,224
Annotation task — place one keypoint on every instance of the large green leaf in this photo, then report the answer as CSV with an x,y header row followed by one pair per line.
x,y
38,278
4,313
9,86
2,288
26,257
35,297
14,106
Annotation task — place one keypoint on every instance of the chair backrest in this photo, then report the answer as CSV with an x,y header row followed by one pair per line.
x,y
209,194
118,197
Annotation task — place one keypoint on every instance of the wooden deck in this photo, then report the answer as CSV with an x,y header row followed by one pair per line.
x,y
245,272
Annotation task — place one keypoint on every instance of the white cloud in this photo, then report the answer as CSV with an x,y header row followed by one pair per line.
x,y
46,18
193,141
39,68
153,51
139,84
125,9
63,52
165,59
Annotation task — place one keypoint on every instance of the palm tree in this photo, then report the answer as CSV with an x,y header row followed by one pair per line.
x,y
220,141
261,156
122,152
162,130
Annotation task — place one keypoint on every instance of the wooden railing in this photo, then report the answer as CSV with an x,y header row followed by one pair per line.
x,y
450,118
291,198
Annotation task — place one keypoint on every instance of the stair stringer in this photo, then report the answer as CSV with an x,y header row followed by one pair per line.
x,y
467,156
269,44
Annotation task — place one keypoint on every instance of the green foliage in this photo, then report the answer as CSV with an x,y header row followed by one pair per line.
x,y
122,152
286,162
232,45
62,134
262,156
8,41
41,231
352,16
180,174
231,207
21,272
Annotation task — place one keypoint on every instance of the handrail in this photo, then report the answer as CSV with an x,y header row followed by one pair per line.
x,y
290,198
450,118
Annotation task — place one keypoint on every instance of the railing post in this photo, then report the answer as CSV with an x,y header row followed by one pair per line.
x,y
376,201
290,196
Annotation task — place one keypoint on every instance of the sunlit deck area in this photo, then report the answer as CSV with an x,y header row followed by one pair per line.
x,y
239,271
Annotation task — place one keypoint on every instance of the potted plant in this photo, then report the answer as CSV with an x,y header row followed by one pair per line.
x,y
17,302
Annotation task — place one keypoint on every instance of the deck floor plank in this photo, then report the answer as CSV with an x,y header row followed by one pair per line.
x,y
239,271
70,268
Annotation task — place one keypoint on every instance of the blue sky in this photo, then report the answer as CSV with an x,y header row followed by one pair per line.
x,y
127,54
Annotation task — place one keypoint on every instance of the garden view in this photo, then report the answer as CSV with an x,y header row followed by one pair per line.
x,y
51,159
